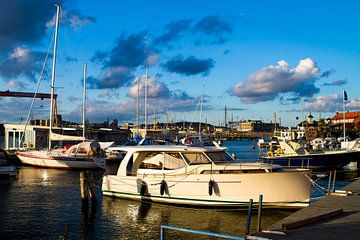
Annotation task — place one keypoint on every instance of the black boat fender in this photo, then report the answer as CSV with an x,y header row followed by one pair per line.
x,y
163,187
211,186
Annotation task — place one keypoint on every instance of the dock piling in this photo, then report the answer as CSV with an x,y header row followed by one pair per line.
x,y
87,191
329,183
248,222
258,229
334,179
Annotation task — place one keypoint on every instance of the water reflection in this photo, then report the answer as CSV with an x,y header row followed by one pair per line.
x,y
142,220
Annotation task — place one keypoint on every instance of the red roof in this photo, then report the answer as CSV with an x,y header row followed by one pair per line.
x,y
348,115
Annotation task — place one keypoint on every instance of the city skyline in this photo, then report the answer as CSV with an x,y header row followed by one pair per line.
x,y
255,57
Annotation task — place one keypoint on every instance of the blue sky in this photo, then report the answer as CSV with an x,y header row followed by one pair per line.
x,y
255,57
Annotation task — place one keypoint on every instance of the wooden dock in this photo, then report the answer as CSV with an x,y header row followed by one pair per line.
x,y
333,217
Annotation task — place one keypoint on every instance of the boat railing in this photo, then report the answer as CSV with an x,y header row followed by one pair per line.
x,y
200,232
305,161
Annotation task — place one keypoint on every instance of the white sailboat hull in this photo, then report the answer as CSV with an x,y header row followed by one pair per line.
x,y
44,159
279,189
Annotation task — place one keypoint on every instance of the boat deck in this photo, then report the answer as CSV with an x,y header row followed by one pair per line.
x,y
343,224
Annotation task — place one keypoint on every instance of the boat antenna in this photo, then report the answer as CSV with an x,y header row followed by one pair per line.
x,y
53,72
201,108
84,102
146,93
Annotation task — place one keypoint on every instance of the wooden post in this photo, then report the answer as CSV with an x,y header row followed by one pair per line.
x,y
248,222
258,229
84,192
334,179
66,232
329,183
92,192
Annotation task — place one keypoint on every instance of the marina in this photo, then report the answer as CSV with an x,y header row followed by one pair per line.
x,y
179,120
40,197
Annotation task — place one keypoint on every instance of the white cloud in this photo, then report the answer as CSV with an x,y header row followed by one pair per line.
x,y
268,82
20,52
155,88
331,103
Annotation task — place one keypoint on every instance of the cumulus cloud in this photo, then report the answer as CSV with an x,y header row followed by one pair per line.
x,y
23,22
125,110
108,94
111,77
209,30
173,31
26,22
129,53
22,62
72,18
329,103
189,66
339,82
155,88
327,73
269,82
215,28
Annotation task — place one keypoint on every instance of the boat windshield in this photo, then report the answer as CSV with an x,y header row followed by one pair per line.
x,y
219,156
162,160
196,158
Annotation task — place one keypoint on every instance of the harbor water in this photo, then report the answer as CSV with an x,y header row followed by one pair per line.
x,y
39,202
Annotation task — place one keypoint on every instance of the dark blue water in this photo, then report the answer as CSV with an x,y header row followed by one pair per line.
x,y
39,202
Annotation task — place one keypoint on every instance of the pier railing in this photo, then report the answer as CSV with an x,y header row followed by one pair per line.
x,y
212,234
219,235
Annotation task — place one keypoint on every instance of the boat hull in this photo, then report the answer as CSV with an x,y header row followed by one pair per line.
x,y
44,160
335,159
279,189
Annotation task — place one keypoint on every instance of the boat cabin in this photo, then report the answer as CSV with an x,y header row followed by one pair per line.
x,y
178,160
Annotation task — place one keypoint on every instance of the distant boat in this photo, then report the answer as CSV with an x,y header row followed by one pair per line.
x,y
292,154
85,155
202,177
261,143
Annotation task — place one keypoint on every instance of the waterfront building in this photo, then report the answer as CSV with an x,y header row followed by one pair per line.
x,y
256,126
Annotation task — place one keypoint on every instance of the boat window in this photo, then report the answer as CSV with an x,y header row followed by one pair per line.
x,y
219,156
196,158
82,151
129,166
161,160
233,171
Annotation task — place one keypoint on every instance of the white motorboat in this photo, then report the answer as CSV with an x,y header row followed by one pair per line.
x,y
291,154
85,155
202,177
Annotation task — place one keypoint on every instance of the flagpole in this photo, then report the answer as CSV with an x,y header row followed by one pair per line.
x,y
344,115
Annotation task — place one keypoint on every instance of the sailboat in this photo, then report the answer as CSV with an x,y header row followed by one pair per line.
x,y
85,155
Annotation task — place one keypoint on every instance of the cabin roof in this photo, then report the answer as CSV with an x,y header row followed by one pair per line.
x,y
157,148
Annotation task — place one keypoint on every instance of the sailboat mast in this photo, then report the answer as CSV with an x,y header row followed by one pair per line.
x,y
53,73
137,106
146,93
84,102
344,115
